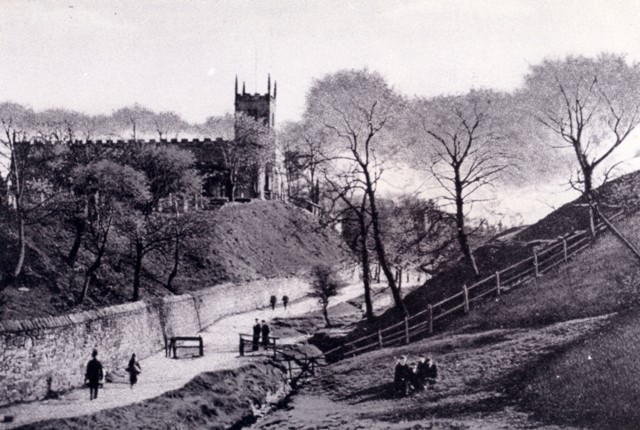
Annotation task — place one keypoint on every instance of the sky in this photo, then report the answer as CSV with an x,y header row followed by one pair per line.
x,y
99,55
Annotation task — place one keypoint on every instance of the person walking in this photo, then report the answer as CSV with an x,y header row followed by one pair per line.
x,y
93,375
273,301
256,335
265,335
285,301
134,370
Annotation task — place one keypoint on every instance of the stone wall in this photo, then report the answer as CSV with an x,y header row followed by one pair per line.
x,y
49,354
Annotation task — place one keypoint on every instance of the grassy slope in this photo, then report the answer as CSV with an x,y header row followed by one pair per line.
x,y
623,192
541,351
247,241
593,382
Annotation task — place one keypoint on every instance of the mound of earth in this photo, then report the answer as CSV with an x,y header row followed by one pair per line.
x,y
239,242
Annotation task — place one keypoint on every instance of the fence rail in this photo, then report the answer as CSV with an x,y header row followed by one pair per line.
x,y
543,259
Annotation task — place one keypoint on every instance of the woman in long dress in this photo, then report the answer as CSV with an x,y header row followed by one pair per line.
x,y
134,369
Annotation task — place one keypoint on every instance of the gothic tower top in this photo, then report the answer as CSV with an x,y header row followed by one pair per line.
x,y
261,107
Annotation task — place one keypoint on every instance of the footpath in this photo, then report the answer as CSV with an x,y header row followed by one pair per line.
x,y
161,374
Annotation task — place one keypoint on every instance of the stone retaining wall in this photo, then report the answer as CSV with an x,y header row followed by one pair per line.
x,y
50,354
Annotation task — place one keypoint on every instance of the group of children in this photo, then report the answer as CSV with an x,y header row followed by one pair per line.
x,y
410,377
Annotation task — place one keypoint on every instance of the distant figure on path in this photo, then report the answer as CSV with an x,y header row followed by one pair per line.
x,y
285,300
134,370
93,375
265,334
256,335
273,302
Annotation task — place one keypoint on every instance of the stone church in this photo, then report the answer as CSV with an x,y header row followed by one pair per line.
x,y
267,179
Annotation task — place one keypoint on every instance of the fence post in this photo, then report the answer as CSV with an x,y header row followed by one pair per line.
x,y
535,261
564,247
498,283
465,291
406,329
379,338
241,346
430,319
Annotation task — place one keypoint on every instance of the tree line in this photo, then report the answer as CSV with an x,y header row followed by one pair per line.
x,y
355,129
569,113
128,200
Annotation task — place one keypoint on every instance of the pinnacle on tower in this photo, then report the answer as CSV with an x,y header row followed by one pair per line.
x,y
243,91
236,84
275,88
269,84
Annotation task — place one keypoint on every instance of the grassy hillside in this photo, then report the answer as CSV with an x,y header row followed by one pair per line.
x,y
593,382
240,242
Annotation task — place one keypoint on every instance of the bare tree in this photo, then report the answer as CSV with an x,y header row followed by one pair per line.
x,y
137,119
168,170
27,162
306,148
347,194
168,123
324,285
592,105
464,150
360,109
111,190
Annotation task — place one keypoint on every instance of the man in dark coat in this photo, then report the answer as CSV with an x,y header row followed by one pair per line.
x,y
256,335
427,372
273,301
401,377
285,300
265,334
93,375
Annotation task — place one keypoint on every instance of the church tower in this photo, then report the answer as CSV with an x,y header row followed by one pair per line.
x,y
262,108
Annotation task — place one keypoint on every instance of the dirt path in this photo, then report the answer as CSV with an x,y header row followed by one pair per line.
x,y
161,374
482,376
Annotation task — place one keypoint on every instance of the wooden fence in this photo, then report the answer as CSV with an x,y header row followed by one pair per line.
x,y
419,325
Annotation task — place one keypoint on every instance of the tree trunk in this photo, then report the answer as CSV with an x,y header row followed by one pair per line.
x,y
136,272
21,245
73,253
588,193
366,273
382,258
176,263
90,271
462,236
326,315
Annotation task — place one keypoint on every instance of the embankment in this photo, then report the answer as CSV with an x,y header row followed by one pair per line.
x,y
44,355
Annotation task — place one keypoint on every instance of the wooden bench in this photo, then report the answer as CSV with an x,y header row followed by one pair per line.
x,y
173,344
